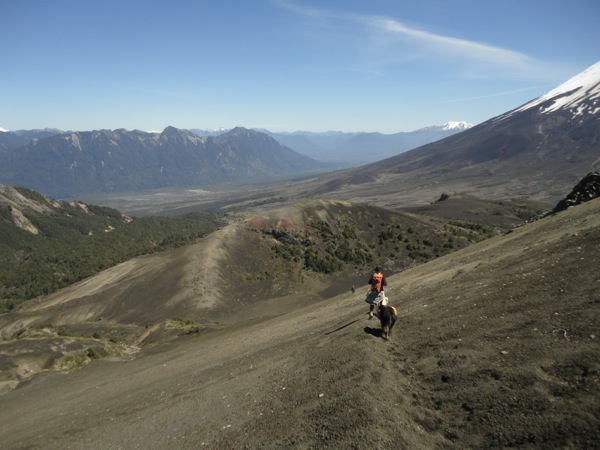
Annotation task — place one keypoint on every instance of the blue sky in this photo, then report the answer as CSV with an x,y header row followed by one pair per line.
x,y
284,65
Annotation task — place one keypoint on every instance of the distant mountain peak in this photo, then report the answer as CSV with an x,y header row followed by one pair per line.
x,y
454,126
463,125
178,134
171,130
241,130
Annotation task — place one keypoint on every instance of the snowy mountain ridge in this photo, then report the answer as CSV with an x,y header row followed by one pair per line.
x,y
580,94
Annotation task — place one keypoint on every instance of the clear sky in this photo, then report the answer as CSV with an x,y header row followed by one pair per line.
x,y
284,65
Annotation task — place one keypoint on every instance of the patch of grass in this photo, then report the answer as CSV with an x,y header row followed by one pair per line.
x,y
73,360
182,322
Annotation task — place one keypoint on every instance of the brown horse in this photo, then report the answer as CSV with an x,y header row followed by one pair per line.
x,y
387,317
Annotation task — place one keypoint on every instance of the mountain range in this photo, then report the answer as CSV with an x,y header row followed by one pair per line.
x,y
69,164
79,163
10,140
346,149
538,151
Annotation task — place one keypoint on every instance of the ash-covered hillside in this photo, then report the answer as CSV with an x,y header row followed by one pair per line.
x,y
496,346
537,151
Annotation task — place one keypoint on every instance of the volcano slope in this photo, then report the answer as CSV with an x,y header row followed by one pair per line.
x,y
496,346
264,263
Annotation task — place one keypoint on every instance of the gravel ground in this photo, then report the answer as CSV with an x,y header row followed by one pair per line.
x,y
496,346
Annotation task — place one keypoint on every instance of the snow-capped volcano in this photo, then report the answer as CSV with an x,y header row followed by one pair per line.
x,y
457,125
452,126
536,151
580,94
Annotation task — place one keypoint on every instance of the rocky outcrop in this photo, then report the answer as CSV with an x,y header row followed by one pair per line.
x,y
587,189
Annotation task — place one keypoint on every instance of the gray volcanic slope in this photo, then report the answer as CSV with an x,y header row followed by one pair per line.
x,y
496,346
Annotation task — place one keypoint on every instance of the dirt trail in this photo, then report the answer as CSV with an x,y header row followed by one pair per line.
x,y
202,285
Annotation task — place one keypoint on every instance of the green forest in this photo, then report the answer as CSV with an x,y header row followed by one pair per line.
x,y
76,241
